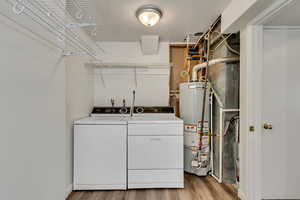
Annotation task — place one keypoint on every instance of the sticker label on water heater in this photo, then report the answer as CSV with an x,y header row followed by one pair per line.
x,y
205,127
190,128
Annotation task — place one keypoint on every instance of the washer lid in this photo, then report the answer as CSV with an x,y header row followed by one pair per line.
x,y
101,120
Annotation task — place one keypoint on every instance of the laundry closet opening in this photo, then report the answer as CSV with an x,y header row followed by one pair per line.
x,y
146,100
174,123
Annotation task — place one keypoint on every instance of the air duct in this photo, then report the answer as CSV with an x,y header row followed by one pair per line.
x,y
211,62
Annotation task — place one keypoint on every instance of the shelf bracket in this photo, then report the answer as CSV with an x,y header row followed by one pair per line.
x,y
135,78
72,53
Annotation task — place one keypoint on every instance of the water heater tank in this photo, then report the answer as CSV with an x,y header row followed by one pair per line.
x,y
191,105
191,99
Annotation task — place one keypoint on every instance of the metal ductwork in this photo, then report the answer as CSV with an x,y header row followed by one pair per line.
x,y
198,67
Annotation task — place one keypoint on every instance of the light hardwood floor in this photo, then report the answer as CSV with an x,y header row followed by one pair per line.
x,y
196,188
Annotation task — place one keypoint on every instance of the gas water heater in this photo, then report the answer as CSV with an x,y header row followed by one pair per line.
x,y
196,144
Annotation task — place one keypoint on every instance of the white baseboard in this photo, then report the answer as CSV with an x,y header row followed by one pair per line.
x,y
68,190
241,195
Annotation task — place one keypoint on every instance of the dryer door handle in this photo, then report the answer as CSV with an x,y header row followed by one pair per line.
x,y
155,139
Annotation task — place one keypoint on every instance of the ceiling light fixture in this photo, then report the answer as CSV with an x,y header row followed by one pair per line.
x,y
149,15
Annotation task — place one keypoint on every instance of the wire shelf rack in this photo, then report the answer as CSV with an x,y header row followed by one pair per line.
x,y
63,19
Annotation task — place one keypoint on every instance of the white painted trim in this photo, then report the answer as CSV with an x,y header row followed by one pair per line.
x,y
244,130
221,146
68,190
217,179
281,27
256,96
231,110
221,135
99,187
212,138
155,185
253,55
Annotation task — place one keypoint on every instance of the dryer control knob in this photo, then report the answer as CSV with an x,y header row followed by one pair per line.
x,y
139,110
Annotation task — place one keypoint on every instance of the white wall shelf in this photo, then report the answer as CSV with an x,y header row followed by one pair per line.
x,y
129,65
129,69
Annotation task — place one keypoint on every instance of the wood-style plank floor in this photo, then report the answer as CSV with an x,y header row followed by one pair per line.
x,y
196,188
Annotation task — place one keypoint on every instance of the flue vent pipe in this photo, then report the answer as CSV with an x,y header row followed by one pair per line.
x,y
211,62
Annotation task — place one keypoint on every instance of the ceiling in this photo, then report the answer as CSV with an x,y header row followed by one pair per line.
x,y
117,21
288,16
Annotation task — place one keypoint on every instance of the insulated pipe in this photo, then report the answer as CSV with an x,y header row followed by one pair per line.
x,y
212,62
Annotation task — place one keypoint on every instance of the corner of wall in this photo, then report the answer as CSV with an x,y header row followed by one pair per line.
x,y
68,190
79,102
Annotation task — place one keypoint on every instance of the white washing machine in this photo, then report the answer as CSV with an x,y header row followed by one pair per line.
x,y
100,151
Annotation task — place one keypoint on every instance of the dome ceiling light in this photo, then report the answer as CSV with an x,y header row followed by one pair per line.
x,y
149,15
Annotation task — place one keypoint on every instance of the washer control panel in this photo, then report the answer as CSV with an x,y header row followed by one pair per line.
x,y
111,110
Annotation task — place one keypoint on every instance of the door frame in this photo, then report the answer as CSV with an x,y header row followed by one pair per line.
x,y
253,61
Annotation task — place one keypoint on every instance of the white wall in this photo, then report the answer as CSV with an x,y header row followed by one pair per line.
x,y
79,91
32,107
41,94
152,75
240,12
151,85
130,52
79,103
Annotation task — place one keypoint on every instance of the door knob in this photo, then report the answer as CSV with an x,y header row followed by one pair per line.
x,y
268,126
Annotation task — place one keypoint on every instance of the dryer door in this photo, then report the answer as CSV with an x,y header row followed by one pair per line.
x,y
155,152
